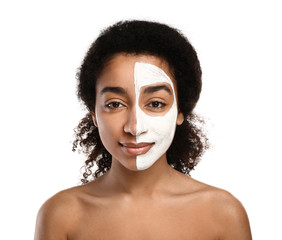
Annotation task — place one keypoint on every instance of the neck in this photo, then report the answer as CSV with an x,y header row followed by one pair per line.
x,y
151,181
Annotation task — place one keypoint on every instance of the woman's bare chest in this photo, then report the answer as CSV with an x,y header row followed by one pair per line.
x,y
144,221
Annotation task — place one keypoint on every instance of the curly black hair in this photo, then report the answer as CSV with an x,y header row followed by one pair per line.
x,y
146,38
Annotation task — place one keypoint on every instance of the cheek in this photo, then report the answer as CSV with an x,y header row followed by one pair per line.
x,y
108,128
159,130
160,127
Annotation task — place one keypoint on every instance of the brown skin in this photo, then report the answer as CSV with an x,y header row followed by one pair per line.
x,y
156,203
118,125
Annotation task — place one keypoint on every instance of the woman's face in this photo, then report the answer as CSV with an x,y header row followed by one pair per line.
x,y
136,110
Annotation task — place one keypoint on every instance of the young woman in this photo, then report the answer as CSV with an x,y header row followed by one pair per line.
x,y
140,82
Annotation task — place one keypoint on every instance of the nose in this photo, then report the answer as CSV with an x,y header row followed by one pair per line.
x,y
134,124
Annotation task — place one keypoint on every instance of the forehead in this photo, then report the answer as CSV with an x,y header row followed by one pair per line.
x,y
147,74
119,70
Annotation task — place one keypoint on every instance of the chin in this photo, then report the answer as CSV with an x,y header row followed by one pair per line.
x,y
144,167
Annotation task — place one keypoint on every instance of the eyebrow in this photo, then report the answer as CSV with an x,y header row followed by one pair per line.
x,y
118,90
157,88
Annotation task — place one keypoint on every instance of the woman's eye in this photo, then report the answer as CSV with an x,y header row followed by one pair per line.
x,y
156,104
114,105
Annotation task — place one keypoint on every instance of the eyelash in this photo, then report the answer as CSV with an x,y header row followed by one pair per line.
x,y
158,102
111,105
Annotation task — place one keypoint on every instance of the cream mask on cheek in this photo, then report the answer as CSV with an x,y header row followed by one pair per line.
x,y
153,129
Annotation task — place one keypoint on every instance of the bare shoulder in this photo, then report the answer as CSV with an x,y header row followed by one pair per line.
x,y
61,202
57,214
225,203
233,217
226,210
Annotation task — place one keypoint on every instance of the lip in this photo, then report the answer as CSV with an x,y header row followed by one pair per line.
x,y
136,148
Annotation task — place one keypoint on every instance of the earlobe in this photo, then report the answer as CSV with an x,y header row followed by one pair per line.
x,y
94,119
180,118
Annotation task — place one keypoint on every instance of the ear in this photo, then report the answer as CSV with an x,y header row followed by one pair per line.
x,y
180,118
94,118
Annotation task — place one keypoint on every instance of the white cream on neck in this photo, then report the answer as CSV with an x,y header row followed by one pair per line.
x,y
157,129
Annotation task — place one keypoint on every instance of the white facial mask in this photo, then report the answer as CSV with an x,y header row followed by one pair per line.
x,y
157,129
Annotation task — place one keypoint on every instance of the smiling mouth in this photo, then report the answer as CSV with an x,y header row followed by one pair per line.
x,y
136,148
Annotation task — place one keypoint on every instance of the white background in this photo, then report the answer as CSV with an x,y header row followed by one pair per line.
x,y
42,45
